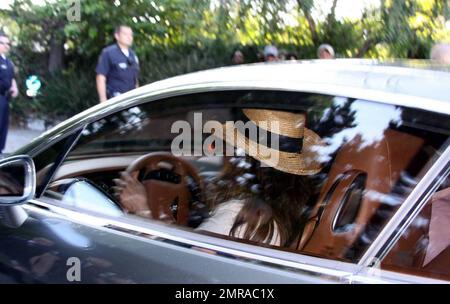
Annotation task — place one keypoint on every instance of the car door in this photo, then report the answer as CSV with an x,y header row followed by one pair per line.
x,y
76,230
417,246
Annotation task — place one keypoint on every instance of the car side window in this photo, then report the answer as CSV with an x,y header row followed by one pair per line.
x,y
308,173
424,247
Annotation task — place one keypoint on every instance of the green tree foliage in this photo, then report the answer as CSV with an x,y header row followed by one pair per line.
x,y
412,26
179,36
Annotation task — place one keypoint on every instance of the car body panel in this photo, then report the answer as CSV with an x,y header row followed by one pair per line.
x,y
102,253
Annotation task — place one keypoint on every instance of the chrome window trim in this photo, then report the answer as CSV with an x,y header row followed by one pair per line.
x,y
396,99
141,95
60,135
385,276
75,136
336,271
407,211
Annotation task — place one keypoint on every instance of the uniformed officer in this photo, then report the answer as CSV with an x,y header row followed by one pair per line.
x,y
8,87
118,66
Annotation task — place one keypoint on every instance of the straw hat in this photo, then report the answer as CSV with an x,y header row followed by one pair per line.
x,y
297,146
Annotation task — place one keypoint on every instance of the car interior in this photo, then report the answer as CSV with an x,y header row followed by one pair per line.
x,y
409,255
353,191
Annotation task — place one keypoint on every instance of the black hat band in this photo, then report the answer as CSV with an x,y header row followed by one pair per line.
x,y
264,137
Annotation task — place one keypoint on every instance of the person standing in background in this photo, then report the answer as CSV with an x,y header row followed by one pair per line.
x,y
440,53
325,51
8,87
270,53
118,66
237,58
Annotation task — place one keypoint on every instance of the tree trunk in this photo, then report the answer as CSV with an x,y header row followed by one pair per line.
x,y
312,27
305,7
365,47
56,54
332,14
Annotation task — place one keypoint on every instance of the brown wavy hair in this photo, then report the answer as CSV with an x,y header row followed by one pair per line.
x,y
271,197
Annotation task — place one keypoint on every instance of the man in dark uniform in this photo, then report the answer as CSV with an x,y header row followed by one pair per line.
x,y
8,87
118,66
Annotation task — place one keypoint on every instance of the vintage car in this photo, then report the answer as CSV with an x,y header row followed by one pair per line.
x,y
369,201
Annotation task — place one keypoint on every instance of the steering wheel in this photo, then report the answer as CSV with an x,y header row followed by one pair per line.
x,y
168,190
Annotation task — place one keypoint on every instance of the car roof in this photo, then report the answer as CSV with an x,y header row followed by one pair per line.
x,y
417,84
418,78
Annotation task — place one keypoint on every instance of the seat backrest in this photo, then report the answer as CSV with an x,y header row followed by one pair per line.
x,y
359,181
409,254
410,249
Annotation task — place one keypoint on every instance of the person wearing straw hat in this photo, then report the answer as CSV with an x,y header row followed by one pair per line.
x,y
260,198
263,198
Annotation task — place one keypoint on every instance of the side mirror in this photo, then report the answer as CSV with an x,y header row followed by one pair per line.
x,y
17,180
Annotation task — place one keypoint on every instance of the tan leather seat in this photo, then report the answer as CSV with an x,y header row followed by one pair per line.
x,y
359,181
409,251
408,254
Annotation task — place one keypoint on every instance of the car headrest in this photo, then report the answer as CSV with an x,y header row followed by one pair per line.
x,y
359,181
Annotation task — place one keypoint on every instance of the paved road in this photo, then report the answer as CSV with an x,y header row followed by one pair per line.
x,y
18,137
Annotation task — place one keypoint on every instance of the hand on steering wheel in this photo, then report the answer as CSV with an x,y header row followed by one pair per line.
x,y
131,193
165,200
